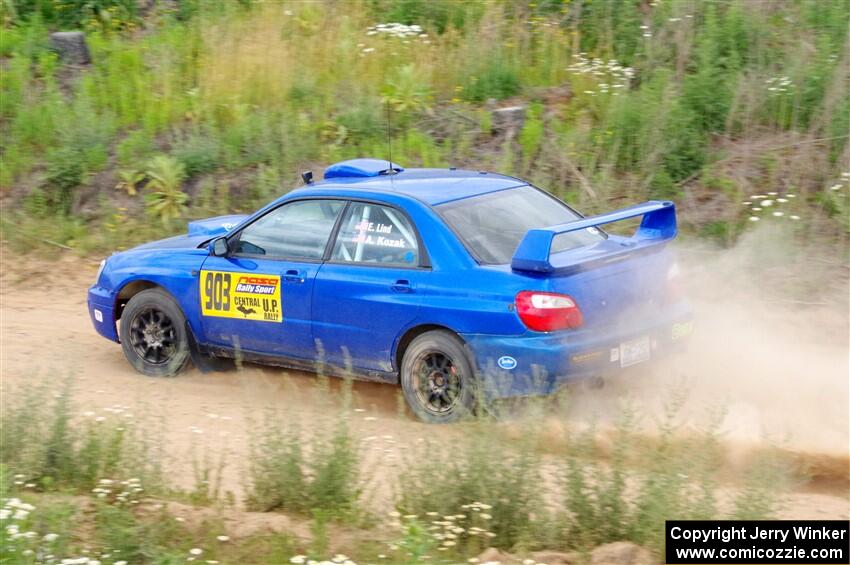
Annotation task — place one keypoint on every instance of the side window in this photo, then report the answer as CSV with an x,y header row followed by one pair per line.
x,y
298,230
376,234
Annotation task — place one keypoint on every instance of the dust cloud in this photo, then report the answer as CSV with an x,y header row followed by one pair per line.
x,y
769,352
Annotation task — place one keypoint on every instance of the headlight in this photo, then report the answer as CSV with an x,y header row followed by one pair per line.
x,y
100,271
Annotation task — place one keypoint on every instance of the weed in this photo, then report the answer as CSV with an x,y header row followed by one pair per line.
x,y
198,152
323,479
166,199
501,486
65,172
496,80
129,181
406,91
51,448
653,92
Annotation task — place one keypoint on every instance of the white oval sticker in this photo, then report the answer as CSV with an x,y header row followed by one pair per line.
x,y
507,362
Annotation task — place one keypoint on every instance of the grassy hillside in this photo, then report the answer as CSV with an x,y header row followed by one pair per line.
x,y
198,107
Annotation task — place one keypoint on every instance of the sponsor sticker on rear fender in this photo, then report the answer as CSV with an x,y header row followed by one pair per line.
x,y
245,296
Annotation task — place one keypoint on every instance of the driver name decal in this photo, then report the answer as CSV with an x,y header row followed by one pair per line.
x,y
365,229
241,295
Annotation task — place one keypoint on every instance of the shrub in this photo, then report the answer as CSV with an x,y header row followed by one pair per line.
x,y
645,483
364,121
497,80
165,178
136,147
267,185
439,14
108,14
48,448
65,172
507,482
407,91
129,180
198,152
531,136
686,144
323,479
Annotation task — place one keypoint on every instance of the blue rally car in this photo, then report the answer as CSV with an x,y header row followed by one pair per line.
x,y
460,285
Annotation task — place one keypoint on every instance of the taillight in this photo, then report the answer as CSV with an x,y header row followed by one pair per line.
x,y
547,311
674,285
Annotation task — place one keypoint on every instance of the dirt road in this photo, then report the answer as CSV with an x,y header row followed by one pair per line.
x,y
771,386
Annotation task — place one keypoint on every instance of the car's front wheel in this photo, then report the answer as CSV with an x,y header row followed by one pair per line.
x,y
153,334
437,378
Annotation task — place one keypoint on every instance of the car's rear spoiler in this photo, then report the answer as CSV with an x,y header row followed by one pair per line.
x,y
212,227
657,226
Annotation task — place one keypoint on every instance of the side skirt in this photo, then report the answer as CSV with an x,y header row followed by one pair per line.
x,y
299,364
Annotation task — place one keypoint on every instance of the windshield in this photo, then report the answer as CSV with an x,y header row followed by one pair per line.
x,y
492,225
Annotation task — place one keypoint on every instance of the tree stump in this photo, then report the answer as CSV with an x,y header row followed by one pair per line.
x,y
510,119
71,47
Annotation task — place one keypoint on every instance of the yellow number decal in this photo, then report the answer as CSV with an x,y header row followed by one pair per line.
x,y
241,295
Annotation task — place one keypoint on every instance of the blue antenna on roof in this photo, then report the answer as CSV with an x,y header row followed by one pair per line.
x,y
391,169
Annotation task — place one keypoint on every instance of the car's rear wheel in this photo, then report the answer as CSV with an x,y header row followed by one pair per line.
x,y
153,334
437,378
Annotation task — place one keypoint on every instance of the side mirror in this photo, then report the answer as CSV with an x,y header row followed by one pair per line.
x,y
219,247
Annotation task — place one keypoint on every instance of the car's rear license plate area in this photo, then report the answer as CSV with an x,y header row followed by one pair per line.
x,y
634,351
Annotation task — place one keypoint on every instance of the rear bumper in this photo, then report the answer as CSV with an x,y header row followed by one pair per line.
x,y
543,362
101,304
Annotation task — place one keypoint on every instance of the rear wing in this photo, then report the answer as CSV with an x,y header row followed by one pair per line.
x,y
657,226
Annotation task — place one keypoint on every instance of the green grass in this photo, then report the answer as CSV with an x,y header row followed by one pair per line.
x,y
244,91
97,482
506,481
315,474
49,445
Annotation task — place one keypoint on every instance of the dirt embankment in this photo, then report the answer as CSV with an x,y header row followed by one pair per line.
x,y
775,371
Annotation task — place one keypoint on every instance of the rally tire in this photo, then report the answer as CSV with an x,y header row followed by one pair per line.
x,y
153,334
437,378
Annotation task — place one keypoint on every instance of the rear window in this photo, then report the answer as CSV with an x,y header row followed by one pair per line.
x,y
492,225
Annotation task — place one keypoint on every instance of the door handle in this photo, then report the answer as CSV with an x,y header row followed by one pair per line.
x,y
402,285
293,275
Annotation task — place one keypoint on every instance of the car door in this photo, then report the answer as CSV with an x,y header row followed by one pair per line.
x,y
258,297
370,288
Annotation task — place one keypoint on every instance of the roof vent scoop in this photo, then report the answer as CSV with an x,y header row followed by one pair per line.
x,y
361,168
